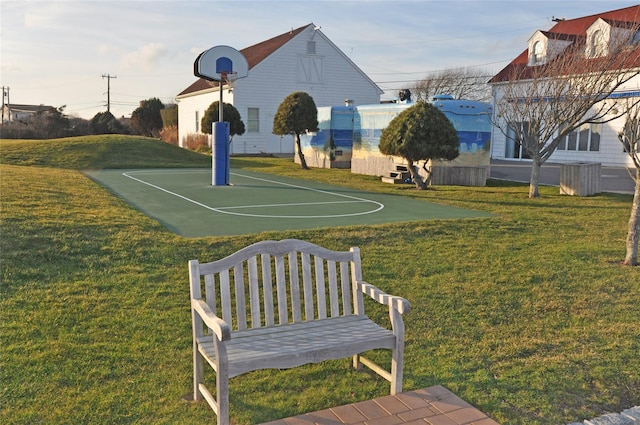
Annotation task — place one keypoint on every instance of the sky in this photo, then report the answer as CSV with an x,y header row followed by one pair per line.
x,y
59,53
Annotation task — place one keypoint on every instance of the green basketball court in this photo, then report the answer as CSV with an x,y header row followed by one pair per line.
x,y
186,202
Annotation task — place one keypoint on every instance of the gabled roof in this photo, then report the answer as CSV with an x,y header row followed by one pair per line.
x,y
579,26
574,30
254,55
559,36
14,107
621,24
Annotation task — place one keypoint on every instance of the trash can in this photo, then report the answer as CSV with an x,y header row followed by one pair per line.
x,y
580,178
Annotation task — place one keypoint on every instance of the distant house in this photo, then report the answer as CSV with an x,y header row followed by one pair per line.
x,y
302,59
594,35
14,112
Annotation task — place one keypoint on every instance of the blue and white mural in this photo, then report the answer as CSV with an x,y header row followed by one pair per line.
x,y
348,133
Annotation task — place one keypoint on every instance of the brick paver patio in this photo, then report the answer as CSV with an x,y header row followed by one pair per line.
x,y
434,406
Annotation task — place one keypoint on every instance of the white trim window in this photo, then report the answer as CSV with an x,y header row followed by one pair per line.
x,y
253,120
197,121
513,147
598,44
586,138
538,53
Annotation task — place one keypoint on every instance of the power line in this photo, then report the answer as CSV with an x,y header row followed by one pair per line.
x,y
434,71
85,108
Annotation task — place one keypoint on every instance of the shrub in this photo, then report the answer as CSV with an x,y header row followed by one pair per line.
x,y
197,142
170,135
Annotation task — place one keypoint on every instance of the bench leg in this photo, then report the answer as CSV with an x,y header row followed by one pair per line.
x,y
397,355
356,362
198,373
222,384
222,399
396,370
219,403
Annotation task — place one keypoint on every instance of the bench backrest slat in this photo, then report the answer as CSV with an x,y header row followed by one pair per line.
x,y
308,289
225,296
296,308
334,295
241,310
320,289
254,292
273,283
346,289
267,290
281,290
210,291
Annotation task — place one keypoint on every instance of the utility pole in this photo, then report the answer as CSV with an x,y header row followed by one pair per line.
x,y
2,122
108,77
5,93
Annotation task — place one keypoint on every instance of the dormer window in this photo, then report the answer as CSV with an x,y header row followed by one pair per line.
x,y
545,46
538,53
598,44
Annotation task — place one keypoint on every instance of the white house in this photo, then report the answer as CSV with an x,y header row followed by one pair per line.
x,y
14,112
594,34
302,59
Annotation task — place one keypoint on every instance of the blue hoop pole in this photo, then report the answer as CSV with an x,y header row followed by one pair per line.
x,y
220,154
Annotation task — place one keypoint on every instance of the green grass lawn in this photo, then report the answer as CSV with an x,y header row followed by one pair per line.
x,y
527,314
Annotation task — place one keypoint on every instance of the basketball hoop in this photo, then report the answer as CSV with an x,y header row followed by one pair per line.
x,y
224,65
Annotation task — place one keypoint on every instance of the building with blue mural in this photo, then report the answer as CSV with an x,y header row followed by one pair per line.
x,y
349,137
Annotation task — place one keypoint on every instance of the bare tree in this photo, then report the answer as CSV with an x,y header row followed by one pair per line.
x,y
537,106
630,138
461,83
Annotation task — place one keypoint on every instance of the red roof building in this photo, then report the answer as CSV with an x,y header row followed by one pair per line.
x,y
576,33
589,40
301,59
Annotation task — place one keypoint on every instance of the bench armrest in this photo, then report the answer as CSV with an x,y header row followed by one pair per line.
x,y
398,303
219,326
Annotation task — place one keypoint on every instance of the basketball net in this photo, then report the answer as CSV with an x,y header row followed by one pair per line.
x,y
229,79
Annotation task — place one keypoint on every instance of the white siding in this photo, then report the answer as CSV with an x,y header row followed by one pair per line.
x,y
190,105
332,79
611,152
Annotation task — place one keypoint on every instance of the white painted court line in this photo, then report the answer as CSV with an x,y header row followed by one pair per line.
x,y
226,210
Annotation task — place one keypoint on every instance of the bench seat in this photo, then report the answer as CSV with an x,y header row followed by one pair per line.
x,y
295,344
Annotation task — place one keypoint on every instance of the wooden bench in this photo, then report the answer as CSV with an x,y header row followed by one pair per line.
x,y
282,304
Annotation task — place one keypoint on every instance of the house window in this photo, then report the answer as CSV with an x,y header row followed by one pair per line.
x,y
311,47
515,133
572,139
586,138
598,47
253,120
594,137
538,53
197,122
